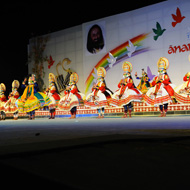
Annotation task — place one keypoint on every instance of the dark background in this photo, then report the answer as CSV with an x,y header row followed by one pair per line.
x,y
21,21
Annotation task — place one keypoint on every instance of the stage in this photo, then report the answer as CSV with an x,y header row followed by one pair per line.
x,y
90,153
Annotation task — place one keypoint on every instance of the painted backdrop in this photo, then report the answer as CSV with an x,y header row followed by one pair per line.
x,y
141,37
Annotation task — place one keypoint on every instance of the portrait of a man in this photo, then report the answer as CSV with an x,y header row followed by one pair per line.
x,y
95,39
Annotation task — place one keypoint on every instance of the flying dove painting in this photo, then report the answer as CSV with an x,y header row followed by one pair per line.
x,y
158,31
149,73
131,49
177,18
50,62
111,60
94,74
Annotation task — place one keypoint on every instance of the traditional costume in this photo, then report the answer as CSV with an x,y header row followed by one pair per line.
x,y
53,95
72,97
10,105
162,91
144,84
32,100
100,95
182,92
3,100
127,92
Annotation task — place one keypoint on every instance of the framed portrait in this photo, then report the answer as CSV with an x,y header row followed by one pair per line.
x,y
95,41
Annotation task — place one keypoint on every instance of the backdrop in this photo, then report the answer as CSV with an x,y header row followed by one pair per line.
x,y
141,37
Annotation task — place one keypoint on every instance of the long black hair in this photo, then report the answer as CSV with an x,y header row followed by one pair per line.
x,y
106,85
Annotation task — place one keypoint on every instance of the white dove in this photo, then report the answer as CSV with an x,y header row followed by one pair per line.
x,y
111,60
94,74
131,49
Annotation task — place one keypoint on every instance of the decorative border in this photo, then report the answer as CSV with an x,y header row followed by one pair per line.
x,y
138,107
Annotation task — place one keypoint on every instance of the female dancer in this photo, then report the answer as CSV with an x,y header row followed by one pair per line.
x,y
31,100
127,92
144,84
10,105
72,97
53,95
3,100
162,91
100,95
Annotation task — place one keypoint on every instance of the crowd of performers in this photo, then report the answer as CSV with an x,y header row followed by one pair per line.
x,y
158,93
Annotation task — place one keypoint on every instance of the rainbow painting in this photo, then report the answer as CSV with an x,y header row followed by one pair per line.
x,y
121,53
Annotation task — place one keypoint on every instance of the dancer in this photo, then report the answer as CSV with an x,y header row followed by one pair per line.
x,y
53,95
31,100
100,96
127,92
10,105
144,84
162,91
182,92
44,99
3,100
72,97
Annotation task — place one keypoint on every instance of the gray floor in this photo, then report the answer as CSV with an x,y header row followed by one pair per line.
x,y
90,153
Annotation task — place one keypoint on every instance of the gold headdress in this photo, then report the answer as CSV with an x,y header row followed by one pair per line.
x,y
3,87
188,74
51,77
101,72
74,77
127,67
15,84
163,63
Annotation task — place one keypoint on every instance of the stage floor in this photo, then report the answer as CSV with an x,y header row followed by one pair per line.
x,y
41,130
90,153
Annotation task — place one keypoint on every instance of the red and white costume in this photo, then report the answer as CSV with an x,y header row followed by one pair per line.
x,y
52,92
3,100
53,95
183,91
162,91
127,91
10,106
100,95
72,97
